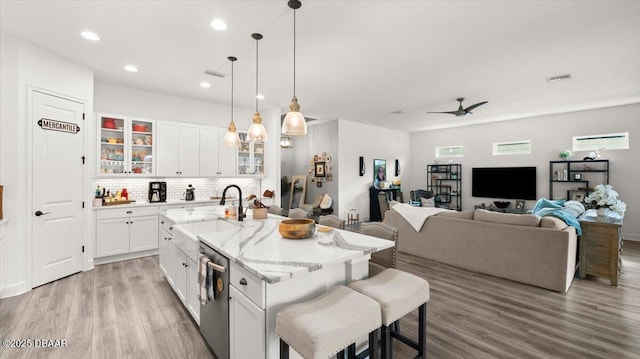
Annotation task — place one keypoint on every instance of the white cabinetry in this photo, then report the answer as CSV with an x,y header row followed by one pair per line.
x,y
177,148
216,159
166,264
127,230
247,302
246,327
182,275
125,146
250,158
192,299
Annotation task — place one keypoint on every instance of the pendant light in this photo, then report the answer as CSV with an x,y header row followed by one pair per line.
x,y
286,141
231,138
294,123
257,132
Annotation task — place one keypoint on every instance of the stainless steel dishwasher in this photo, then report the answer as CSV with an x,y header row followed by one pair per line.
x,y
214,316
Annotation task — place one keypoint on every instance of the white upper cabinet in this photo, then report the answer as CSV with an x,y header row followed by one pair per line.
x,y
125,146
178,146
216,159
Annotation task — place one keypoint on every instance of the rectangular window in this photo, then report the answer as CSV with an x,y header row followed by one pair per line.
x,y
512,148
611,141
450,151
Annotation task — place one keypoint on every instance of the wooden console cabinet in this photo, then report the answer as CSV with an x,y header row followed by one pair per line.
x,y
600,245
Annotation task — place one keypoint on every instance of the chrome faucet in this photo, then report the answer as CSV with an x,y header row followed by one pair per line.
x,y
241,214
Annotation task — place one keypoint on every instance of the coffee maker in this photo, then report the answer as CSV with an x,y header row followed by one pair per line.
x,y
157,192
189,194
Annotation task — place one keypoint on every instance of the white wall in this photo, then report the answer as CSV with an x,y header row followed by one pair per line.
x,y
25,65
549,135
355,140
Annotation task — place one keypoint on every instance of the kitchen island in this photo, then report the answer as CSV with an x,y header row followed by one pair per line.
x,y
267,272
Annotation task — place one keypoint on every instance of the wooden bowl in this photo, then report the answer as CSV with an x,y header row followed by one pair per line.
x,y
297,228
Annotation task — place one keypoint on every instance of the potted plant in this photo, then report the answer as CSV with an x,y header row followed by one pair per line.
x,y
605,197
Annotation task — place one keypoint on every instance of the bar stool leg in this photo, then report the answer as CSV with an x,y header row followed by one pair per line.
x,y
385,342
284,350
422,329
373,344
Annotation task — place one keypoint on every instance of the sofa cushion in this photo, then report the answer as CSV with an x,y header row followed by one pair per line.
x,y
427,202
455,214
553,223
506,218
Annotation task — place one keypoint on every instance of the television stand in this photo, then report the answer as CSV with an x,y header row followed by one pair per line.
x,y
503,210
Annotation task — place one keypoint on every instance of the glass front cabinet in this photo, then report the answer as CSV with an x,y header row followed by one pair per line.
x,y
250,157
126,146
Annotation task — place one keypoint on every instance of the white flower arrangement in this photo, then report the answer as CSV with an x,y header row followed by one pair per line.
x,y
604,196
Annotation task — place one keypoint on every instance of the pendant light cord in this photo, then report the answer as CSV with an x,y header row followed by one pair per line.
x,y
231,91
257,74
294,53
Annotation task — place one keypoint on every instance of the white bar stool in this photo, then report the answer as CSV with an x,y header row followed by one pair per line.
x,y
398,293
328,324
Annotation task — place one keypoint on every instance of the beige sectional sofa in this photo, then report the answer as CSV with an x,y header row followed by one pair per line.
x,y
523,248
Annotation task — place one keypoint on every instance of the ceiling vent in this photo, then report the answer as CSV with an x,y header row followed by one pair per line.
x,y
559,78
397,112
214,73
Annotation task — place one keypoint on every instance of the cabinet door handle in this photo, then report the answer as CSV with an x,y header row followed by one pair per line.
x,y
129,212
161,222
243,281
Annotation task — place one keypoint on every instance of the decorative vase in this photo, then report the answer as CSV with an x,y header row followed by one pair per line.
x,y
601,212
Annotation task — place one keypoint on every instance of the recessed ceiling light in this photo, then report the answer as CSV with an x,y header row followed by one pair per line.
x,y
564,77
205,84
260,96
90,35
131,68
218,24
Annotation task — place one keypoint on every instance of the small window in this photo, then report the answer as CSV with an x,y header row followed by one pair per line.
x,y
450,151
611,141
512,148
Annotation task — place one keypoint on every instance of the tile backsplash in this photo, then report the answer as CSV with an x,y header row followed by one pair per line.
x,y
205,187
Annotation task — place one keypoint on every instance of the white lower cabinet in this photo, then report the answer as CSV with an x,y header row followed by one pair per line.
x,y
246,327
182,275
193,290
166,264
122,231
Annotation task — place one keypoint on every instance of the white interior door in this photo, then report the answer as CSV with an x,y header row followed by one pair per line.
x,y
57,171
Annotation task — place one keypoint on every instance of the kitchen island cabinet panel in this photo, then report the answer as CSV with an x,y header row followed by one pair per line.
x,y
192,299
164,239
112,237
179,276
246,327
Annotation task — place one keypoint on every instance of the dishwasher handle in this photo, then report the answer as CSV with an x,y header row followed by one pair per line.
x,y
217,267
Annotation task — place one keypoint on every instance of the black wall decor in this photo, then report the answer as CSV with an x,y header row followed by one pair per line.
x,y
397,168
361,166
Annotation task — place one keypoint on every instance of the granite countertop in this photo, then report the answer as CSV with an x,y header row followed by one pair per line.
x,y
257,246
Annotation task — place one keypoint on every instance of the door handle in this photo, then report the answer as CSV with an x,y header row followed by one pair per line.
x,y
40,213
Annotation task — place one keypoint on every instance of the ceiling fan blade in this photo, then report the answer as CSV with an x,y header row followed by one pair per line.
x,y
474,106
448,112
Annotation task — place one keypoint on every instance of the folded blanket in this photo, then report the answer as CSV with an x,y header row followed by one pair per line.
x,y
416,216
568,211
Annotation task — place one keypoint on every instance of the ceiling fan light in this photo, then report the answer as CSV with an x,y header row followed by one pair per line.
x,y
257,132
294,123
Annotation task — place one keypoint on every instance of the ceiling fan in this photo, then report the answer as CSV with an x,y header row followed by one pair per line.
x,y
461,111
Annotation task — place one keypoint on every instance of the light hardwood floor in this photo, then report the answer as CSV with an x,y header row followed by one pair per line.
x,y
126,310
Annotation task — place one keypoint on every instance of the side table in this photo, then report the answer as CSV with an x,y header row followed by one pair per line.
x,y
600,245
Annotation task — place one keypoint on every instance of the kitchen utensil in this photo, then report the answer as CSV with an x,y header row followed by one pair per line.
x,y
108,123
139,127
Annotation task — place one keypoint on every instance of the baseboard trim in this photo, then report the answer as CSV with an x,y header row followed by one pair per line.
x,y
124,257
631,237
14,289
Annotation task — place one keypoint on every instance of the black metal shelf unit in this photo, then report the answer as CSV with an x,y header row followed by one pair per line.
x,y
445,181
574,177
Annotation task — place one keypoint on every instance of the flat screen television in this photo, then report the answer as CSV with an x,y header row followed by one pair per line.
x,y
504,182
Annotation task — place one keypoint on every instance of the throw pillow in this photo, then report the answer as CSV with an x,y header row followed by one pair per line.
x,y
455,214
427,202
552,223
506,218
